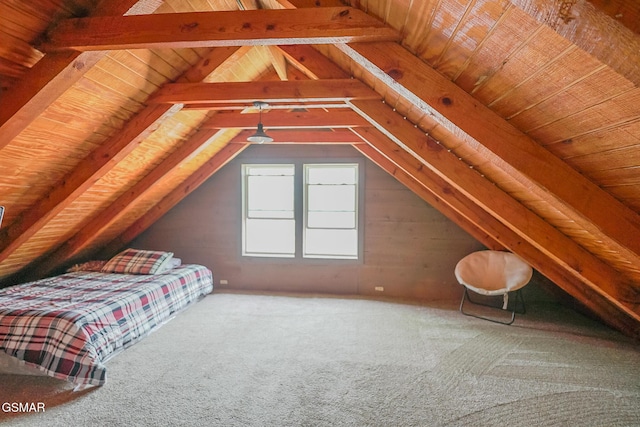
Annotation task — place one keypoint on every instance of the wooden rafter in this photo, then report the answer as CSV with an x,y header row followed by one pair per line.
x,y
215,29
625,318
544,174
466,211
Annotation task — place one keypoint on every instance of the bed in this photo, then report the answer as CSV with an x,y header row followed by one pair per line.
x,y
69,325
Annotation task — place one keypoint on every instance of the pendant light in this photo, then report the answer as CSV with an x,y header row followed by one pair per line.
x,y
260,136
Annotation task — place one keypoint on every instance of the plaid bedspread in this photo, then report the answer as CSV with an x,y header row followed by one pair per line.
x,y
69,325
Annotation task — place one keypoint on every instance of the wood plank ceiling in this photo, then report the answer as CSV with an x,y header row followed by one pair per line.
x,y
519,120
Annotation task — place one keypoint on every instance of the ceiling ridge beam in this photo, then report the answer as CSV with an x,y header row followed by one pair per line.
x,y
545,175
326,25
99,162
53,74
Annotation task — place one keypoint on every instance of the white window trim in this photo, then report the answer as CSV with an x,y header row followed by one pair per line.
x,y
305,169
300,217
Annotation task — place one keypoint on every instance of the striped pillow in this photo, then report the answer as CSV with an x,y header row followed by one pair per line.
x,y
136,261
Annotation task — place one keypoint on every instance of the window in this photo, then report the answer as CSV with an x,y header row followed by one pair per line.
x,y
307,210
269,223
331,211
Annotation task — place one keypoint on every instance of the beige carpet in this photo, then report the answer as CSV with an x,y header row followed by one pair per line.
x,y
259,360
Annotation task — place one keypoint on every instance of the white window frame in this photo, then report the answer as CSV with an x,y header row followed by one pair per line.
x,y
247,218
309,230
301,219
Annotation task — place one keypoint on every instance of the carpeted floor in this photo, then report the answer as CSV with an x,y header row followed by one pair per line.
x,y
260,360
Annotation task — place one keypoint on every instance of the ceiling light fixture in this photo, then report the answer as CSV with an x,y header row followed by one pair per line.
x,y
260,136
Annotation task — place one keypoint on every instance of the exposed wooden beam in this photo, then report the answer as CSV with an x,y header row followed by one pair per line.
x,y
247,92
214,29
280,119
170,200
50,77
319,136
537,169
578,262
99,162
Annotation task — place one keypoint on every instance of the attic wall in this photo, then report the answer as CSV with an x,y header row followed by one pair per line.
x,y
410,248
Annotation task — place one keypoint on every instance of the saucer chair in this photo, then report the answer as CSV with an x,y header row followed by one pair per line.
x,y
493,274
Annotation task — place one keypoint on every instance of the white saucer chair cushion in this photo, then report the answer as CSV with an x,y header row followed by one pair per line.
x,y
493,272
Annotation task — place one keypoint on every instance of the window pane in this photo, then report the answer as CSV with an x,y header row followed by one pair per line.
x,y
331,197
270,196
331,203
269,227
270,170
264,236
332,174
331,243
331,219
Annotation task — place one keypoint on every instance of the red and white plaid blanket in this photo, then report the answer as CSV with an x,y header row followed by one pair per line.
x,y
69,325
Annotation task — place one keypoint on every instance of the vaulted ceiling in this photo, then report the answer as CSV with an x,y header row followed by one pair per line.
x,y
519,120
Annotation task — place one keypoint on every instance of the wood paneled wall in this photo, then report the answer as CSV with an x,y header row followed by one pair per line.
x,y
410,249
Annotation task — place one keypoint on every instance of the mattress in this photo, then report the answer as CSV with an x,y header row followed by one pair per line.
x,y
68,326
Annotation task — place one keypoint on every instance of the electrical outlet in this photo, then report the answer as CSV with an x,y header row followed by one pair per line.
x,y
379,288
224,282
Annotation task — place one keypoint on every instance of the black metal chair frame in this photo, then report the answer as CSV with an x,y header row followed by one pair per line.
x,y
518,296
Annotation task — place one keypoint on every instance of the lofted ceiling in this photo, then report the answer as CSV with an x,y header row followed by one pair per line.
x,y
519,120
